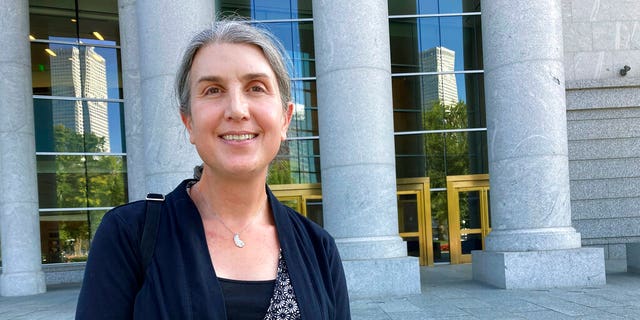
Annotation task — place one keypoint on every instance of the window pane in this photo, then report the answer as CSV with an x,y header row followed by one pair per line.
x,y
65,235
400,7
440,226
75,71
267,9
53,19
297,162
297,39
438,155
98,22
436,44
78,126
80,181
304,122
435,102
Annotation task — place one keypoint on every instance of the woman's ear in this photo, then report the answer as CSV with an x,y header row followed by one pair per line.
x,y
287,120
186,120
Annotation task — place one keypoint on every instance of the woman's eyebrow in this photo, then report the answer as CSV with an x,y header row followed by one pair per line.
x,y
256,75
209,79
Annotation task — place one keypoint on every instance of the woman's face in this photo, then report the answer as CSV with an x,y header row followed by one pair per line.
x,y
237,121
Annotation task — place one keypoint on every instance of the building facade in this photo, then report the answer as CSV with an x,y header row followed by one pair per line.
x,y
542,97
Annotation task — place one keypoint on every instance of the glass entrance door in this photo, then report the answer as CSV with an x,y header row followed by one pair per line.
x,y
469,219
414,211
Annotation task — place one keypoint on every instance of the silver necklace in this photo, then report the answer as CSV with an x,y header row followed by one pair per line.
x,y
236,235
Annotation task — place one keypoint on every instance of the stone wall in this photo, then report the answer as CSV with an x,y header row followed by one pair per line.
x,y
603,122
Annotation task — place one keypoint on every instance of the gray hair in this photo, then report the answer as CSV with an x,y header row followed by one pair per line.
x,y
235,32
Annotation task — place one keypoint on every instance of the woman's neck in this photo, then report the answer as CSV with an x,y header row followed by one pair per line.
x,y
232,200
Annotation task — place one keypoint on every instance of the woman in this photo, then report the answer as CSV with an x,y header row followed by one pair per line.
x,y
226,248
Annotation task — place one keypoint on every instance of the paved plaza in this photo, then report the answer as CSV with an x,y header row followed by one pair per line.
x,y
447,293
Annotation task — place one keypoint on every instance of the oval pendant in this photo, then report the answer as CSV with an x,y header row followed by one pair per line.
x,y
236,239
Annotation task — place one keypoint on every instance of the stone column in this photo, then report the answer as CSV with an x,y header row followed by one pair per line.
x,y
357,146
133,116
164,28
19,218
532,243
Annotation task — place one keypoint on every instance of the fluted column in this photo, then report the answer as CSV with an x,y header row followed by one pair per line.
x,y
19,218
532,243
355,118
164,28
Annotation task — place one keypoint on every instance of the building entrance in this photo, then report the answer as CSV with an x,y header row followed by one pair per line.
x,y
468,212
414,211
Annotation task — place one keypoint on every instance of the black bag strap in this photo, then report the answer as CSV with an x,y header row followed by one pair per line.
x,y
152,220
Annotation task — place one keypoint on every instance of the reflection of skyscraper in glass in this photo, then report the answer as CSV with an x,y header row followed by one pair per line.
x,y
441,87
80,73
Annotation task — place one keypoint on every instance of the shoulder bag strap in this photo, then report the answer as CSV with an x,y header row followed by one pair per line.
x,y
151,222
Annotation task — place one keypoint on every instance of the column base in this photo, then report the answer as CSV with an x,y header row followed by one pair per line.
x,y
22,284
633,257
540,269
382,277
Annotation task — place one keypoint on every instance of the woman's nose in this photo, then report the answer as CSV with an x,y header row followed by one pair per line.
x,y
237,108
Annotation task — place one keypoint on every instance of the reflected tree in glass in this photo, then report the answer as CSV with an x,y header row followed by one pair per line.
x,y
447,153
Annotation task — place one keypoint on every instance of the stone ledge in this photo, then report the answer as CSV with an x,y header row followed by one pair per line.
x,y
540,269
63,273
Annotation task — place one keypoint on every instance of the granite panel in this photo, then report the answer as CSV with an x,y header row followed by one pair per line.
x,y
603,129
605,188
616,35
604,168
605,208
593,65
597,10
604,98
382,277
540,269
577,36
608,228
604,113
604,148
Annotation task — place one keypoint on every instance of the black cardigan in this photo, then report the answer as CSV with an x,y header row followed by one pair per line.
x,y
180,282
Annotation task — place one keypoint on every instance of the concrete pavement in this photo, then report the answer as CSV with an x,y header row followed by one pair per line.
x,y
448,293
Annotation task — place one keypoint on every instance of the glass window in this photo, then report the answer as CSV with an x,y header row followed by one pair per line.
x,y
297,39
435,102
437,155
304,122
436,44
405,7
78,126
266,9
81,181
297,162
65,235
75,71
53,19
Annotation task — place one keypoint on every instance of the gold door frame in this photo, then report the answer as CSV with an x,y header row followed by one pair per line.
x,y
300,193
466,183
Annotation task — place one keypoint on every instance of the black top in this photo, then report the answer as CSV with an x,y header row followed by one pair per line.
x,y
246,299
180,281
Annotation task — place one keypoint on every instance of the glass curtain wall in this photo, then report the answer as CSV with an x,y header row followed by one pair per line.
x,y
438,98
298,161
78,106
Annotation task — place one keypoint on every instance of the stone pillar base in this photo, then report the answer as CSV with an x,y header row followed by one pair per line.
x,y
382,277
22,284
633,257
540,269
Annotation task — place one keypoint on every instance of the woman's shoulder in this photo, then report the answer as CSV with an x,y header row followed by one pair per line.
x,y
302,225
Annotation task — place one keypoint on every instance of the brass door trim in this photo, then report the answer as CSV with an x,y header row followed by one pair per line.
x,y
455,185
419,186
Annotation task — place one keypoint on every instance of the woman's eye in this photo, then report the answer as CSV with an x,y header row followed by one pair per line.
x,y
257,89
212,90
